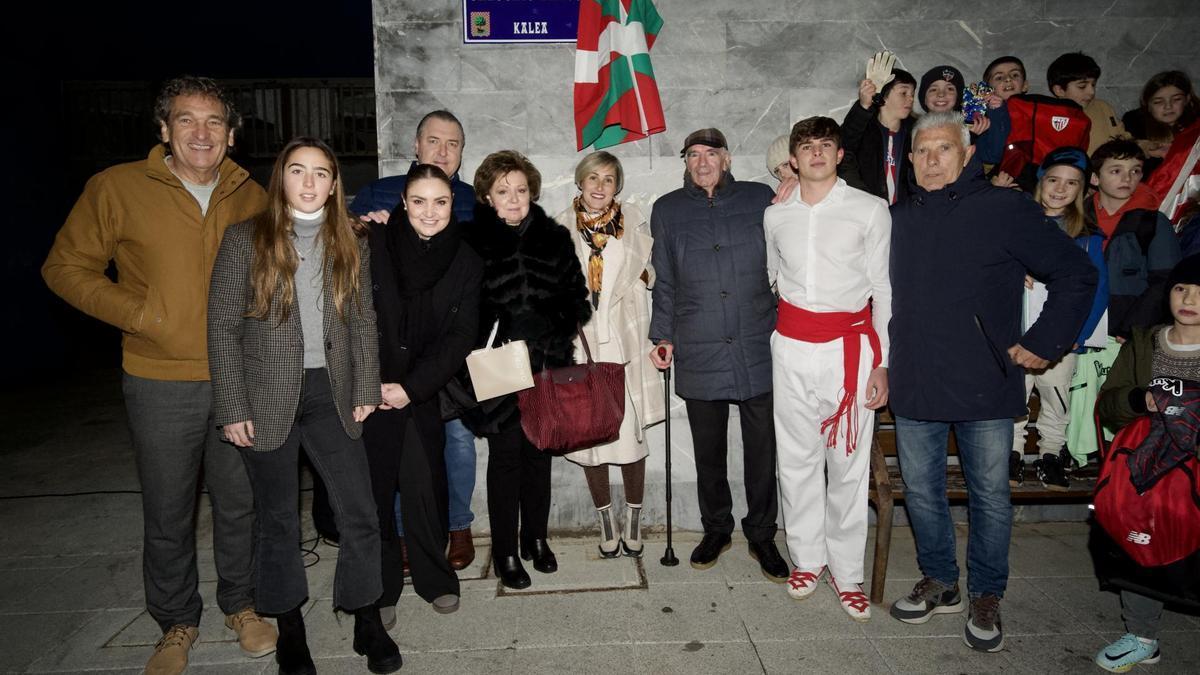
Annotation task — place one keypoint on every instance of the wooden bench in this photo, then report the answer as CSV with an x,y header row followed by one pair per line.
x,y
887,488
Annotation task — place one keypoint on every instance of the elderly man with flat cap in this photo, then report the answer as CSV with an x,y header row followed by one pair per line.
x,y
713,316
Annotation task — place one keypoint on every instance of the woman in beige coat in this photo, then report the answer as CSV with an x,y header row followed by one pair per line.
x,y
613,243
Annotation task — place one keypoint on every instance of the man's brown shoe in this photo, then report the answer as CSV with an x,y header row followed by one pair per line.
x,y
256,636
462,549
171,653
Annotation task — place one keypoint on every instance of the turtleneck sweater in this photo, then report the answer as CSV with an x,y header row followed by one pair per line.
x,y
306,228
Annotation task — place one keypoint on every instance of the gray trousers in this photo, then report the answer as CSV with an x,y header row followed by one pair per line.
x,y
342,464
1141,614
175,441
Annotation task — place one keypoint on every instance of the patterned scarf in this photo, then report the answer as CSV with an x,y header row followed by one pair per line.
x,y
596,230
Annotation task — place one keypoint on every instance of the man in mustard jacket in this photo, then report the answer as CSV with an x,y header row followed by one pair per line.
x,y
161,221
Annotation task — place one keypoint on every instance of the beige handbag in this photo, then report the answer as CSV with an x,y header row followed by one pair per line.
x,y
500,370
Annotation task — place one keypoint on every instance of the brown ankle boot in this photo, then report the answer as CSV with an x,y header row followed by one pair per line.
x,y
462,549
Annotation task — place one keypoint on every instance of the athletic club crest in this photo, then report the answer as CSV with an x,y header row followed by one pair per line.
x,y
948,75
1059,122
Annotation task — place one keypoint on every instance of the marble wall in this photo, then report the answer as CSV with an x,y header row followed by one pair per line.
x,y
751,68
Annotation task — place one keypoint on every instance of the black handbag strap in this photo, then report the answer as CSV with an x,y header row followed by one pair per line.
x,y
582,338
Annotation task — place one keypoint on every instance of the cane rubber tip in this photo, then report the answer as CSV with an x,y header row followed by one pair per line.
x,y
669,559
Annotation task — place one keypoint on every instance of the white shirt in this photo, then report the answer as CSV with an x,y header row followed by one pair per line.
x,y
832,256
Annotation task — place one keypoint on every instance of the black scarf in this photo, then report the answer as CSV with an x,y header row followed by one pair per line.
x,y
419,264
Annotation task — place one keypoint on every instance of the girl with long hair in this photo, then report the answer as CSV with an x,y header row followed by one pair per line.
x,y
1062,179
1166,124
294,360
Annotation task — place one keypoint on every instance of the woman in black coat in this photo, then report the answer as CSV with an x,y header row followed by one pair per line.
x,y
534,287
426,290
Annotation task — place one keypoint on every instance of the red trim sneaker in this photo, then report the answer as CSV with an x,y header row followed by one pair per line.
x,y
853,600
801,584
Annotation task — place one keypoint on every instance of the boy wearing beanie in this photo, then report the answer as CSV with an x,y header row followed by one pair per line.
x,y
942,89
778,161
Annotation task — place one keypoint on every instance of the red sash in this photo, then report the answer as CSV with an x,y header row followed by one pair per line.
x,y
801,324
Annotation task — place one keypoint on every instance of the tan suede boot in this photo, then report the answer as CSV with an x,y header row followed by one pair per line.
x,y
171,653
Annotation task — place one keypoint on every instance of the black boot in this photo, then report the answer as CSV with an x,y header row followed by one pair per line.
x,y
511,572
543,558
373,642
291,649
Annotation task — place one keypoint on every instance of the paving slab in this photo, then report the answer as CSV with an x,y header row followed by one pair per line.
x,y
687,613
940,655
826,656
1066,653
28,637
696,657
769,613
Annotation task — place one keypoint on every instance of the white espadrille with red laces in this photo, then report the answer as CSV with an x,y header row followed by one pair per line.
x,y
801,584
853,600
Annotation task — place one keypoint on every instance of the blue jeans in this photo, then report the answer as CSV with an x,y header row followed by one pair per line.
x,y
460,477
983,448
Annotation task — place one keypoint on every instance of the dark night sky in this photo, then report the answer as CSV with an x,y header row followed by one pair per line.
x,y
142,40
44,43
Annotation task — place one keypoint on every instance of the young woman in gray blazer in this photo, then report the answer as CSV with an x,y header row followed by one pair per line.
x,y
294,360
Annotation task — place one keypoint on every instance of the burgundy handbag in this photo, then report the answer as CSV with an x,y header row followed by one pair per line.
x,y
574,407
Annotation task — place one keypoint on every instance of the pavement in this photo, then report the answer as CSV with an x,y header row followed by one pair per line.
x,y
71,589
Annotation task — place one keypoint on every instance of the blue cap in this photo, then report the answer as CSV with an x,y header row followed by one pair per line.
x,y
1068,155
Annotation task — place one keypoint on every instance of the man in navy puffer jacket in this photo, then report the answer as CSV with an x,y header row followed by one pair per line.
x,y
960,251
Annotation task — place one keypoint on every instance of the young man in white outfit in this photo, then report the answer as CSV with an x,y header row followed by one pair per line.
x,y
827,256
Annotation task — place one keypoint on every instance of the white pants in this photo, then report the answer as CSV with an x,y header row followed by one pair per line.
x,y
825,524
1054,389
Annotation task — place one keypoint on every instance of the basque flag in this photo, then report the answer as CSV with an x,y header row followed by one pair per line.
x,y
616,96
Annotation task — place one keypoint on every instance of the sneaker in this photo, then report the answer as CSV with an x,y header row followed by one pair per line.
x,y
983,632
1016,469
1067,460
171,653
1127,652
801,584
1050,471
927,598
853,600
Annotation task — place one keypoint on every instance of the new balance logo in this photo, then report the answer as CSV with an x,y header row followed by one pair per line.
x,y
1139,538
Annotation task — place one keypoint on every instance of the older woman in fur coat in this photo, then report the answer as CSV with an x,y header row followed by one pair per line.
x,y
534,288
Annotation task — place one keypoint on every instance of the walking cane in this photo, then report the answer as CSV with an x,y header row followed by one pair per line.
x,y
668,559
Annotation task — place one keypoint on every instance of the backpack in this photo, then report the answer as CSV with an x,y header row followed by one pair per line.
x,y
1040,124
1148,543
